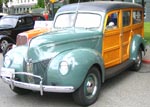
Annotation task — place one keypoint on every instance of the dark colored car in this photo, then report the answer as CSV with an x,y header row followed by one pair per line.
x,y
11,25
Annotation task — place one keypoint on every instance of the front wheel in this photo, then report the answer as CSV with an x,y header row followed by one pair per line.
x,y
138,63
7,48
3,44
88,92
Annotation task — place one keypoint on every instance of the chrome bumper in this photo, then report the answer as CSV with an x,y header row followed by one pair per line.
x,y
36,87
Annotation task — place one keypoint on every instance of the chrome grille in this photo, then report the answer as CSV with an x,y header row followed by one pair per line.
x,y
37,68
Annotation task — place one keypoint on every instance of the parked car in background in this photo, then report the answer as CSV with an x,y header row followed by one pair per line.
x,y
23,38
93,41
11,25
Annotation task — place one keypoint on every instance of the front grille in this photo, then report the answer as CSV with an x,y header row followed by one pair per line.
x,y
38,68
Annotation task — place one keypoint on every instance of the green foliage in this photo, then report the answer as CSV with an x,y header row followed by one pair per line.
x,y
40,3
1,2
147,31
5,2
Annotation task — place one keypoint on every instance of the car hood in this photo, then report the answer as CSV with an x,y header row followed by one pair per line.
x,y
5,27
5,30
50,44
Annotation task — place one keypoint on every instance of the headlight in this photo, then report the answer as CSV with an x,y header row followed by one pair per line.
x,y
63,68
7,61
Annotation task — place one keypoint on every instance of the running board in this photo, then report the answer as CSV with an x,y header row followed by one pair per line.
x,y
110,72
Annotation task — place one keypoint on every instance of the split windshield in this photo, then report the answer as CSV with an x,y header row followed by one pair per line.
x,y
82,20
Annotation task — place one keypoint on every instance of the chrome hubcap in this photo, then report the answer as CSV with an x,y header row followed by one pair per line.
x,y
138,60
91,85
4,43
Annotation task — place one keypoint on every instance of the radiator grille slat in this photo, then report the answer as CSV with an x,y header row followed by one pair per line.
x,y
40,69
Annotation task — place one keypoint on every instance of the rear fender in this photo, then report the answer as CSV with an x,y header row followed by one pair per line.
x,y
136,43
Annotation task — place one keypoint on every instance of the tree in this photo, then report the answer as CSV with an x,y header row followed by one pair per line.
x,y
43,4
6,2
40,3
1,4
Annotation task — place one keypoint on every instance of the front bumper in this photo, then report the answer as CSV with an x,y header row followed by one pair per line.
x,y
35,87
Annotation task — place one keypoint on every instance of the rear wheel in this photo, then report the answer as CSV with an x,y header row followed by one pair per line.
x,y
138,62
88,92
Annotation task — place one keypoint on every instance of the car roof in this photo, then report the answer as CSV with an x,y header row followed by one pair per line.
x,y
103,6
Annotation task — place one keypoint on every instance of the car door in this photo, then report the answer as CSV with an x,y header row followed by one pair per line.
x,y
112,48
127,33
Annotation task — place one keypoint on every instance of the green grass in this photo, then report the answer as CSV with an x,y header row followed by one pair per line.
x,y
147,31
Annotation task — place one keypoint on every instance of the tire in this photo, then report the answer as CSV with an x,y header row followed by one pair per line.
x,y
89,91
138,63
20,91
7,48
3,44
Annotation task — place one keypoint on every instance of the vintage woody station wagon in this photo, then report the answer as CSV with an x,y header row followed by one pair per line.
x,y
92,41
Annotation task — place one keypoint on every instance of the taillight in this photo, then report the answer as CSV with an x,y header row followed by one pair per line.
x,y
21,39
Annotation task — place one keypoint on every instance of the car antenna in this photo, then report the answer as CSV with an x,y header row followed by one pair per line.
x,y
76,13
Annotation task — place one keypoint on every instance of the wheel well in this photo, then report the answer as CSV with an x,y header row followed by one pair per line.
x,y
9,41
142,47
100,71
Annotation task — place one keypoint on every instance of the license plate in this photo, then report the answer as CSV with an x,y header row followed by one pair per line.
x,y
7,72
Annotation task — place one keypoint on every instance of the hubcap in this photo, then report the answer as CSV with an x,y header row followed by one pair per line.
x,y
4,43
91,86
138,60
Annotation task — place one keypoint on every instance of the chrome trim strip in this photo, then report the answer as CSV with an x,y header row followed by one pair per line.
x,y
42,88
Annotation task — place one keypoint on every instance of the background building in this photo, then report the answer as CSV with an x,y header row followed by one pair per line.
x,y
19,6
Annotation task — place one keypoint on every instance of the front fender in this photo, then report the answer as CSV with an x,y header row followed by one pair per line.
x,y
136,43
80,61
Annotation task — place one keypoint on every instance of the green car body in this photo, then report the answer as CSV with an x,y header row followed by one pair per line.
x,y
73,48
69,59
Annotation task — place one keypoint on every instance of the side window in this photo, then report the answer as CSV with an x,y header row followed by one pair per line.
x,y
29,20
21,21
137,17
112,21
126,18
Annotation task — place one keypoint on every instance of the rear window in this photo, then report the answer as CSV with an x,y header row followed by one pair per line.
x,y
137,17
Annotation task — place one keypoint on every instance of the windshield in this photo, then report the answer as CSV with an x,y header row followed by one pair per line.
x,y
83,20
8,21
